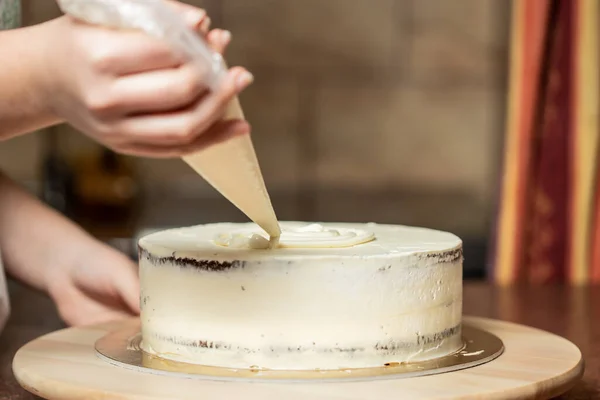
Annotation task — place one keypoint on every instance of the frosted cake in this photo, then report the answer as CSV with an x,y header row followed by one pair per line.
x,y
329,296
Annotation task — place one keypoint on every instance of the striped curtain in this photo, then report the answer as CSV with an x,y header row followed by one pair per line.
x,y
548,222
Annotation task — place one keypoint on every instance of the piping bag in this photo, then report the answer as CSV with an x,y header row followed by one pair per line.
x,y
231,166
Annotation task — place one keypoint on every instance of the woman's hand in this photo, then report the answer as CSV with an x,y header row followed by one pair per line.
x,y
133,94
89,281
98,285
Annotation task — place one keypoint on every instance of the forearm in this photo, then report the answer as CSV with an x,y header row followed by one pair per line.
x,y
24,103
34,239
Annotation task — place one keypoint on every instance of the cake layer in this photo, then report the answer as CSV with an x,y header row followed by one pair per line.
x,y
396,298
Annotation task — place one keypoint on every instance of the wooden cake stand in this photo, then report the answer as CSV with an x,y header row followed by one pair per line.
x,y
533,364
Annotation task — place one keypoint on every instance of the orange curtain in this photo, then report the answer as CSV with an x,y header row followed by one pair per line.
x,y
548,226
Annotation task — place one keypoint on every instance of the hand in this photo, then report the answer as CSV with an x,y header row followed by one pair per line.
x,y
89,281
131,93
99,285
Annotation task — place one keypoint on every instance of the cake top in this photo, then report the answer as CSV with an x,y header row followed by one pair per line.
x,y
302,239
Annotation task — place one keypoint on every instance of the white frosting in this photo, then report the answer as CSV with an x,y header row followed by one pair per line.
x,y
395,298
309,236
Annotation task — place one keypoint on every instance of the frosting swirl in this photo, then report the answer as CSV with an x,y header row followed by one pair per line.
x,y
309,236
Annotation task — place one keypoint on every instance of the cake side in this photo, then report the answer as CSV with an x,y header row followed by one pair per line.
x,y
291,309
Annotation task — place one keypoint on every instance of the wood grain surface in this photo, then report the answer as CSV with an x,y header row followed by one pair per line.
x,y
535,364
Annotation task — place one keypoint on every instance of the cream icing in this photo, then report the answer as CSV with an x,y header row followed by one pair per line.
x,y
308,236
395,298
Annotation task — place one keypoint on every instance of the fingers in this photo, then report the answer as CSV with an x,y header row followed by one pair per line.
x,y
204,26
183,127
144,98
196,18
152,94
77,309
218,40
142,54
158,91
94,315
165,89
199,21
100,316
218,133
128,286
121,53
113,52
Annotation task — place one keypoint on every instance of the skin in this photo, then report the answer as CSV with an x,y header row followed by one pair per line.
x,y
89,281
128,92
124,89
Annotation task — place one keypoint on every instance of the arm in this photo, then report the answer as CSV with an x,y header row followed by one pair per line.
x,y
89,281
23,103
34,238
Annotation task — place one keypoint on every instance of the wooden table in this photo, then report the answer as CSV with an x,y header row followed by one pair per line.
x,y
569,312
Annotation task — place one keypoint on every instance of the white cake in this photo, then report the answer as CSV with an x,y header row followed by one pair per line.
x,y
370,295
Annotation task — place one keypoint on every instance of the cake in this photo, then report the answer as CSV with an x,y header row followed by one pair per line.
x,y
329,296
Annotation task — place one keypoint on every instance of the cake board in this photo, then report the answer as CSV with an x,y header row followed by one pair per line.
x,y
534,364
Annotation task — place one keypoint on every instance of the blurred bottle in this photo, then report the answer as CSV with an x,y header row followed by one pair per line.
x,y
107,193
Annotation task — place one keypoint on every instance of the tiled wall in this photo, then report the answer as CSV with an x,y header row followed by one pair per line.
x,y
387,95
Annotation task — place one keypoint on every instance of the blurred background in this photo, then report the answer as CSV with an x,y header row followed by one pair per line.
x,y
390,111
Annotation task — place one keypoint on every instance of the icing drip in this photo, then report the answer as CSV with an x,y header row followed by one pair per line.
x,y
310,236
